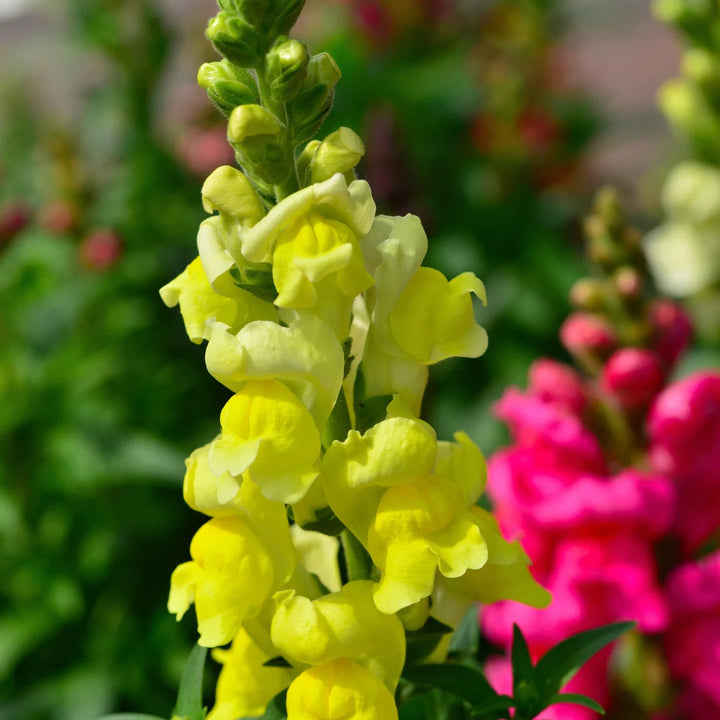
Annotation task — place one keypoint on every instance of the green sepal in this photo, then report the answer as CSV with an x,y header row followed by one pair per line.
x,y
256,280
189,705
227,86
325,522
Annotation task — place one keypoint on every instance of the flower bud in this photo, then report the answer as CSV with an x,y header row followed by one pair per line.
x,y
14,216
583,333
672,330
257,136
236,39
312,104
101,249
226,86
589,294
286,68
339,152
634,376
558,384
58,217
628,283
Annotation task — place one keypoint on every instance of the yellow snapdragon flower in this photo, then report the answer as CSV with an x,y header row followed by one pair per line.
x,y
269,433
417,317
305,356
344,624
406,498
246,685
339,690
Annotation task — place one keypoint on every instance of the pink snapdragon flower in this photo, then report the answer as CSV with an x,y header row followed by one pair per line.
x,y
692,641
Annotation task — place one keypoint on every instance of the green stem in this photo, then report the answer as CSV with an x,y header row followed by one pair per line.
x,y
359,564
291,184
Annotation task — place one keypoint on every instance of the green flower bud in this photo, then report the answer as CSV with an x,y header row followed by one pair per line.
x,y
253,12
236,39
303,162
227,86
286,68
314,101
283,15
340,152
258,138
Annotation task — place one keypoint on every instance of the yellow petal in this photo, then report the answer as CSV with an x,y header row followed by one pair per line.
x,y
269,433
355,471
230,577
245,685
305,356
339,690
345,624
199,303
433,319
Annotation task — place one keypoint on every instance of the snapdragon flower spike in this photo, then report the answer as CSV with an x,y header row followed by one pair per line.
x,y
314,310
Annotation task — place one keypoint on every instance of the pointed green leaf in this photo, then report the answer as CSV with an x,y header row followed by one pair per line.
x,y
522,665
559,664
459,680
576,699
189,701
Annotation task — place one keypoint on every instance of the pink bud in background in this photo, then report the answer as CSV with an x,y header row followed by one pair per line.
x,y
583,333
100,249
558,383
58,217
673,330
634,376
14,216
204,149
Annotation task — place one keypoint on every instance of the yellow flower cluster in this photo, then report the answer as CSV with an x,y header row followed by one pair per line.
x,y
316,312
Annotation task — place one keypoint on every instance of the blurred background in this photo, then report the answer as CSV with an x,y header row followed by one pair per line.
x,y
493,120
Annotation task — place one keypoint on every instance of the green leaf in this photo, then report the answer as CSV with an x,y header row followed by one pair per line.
x,y
459,680
522,666
559,664
576,699
421,642
189,701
